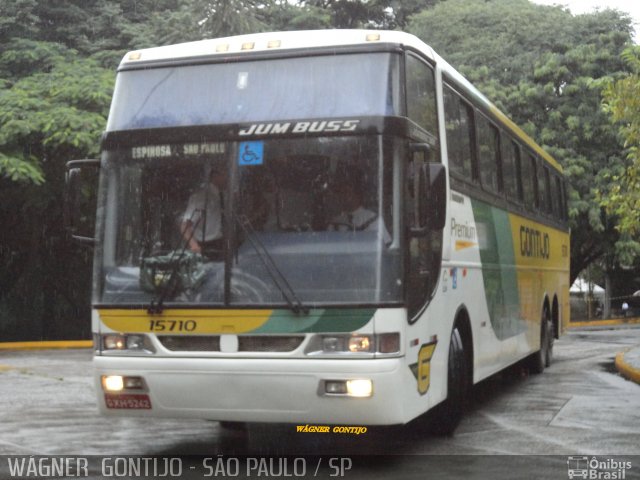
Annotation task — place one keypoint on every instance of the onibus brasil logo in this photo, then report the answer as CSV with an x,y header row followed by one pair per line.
x,y
595,468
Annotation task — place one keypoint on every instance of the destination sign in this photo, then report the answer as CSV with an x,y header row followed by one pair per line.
x,y
163,151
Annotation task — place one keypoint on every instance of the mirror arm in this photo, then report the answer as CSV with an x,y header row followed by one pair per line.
x,y
422,147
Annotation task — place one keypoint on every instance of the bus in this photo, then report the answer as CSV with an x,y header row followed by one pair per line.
x,y
379,236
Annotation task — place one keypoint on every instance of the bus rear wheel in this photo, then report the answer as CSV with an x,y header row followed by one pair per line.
x,y
448,414
542,358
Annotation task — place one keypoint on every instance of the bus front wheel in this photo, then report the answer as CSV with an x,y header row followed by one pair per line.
x,y
448,414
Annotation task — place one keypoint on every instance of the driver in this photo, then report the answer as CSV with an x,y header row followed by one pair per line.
x,y
201,223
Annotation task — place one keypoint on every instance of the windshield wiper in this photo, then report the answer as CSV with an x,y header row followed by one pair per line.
x,y
274,272
156,306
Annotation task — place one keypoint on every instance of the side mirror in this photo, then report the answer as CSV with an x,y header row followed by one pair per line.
x,y
420,154
430,190
437,196
80,200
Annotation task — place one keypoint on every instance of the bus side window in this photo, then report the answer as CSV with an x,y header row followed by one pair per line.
x,y
549,195
529,183
488,153
563,201
421,95
556,198
510,155
460,136
543,187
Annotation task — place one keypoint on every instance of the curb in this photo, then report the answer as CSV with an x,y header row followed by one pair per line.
x,y
625,369
46,345
606,323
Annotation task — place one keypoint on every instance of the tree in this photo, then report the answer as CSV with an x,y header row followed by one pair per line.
x,y
377,14
190,20
46,118
621,197
542,66
57,64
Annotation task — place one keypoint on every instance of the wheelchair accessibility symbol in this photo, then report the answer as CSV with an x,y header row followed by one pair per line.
x,y
251,153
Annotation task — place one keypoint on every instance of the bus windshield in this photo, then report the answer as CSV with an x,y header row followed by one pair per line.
x,y
329,86
250,223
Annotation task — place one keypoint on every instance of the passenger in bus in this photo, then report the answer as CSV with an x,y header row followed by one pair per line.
x,y
201,225
263,209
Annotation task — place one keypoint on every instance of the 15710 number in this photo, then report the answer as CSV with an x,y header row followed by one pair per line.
x,y
172,325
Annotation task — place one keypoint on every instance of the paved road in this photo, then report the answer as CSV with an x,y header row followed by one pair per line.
x,y
579,406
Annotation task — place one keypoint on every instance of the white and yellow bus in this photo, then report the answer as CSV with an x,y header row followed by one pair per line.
x,y
388,237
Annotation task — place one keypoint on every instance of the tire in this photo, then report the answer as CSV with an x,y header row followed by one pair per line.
x,y
542,358
447,415
550,339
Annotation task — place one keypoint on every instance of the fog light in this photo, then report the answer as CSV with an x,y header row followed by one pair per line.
x,y
133,383
336,387
118,383
351,388
359,388
112,383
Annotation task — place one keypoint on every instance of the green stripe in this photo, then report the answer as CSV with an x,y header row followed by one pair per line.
x,y
318,320
498,269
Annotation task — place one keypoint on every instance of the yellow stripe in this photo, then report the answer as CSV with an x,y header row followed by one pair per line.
x,y
46,345
625,369
606,323
185,321
463,244
542,261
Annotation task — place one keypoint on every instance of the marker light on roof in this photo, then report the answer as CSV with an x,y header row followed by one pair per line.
x,y
373,37
135,56
273,44
223,47
248,46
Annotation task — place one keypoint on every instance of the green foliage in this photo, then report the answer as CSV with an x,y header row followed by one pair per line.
x,y
17,19
53,106
23,56
47,113
286,16
621,197
17,169
544,67
541,65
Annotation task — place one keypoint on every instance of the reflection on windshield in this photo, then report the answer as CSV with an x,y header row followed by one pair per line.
x,y
318,212
238,92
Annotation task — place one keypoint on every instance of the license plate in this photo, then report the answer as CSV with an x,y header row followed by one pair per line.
x,y
128,401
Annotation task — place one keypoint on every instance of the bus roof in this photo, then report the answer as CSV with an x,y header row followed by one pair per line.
x,y
262,42
307,39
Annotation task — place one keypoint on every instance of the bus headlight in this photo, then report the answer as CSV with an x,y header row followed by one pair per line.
x,y
360,343
340,344
130,343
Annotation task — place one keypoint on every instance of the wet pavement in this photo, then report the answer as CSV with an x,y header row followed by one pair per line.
x,y
580,406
